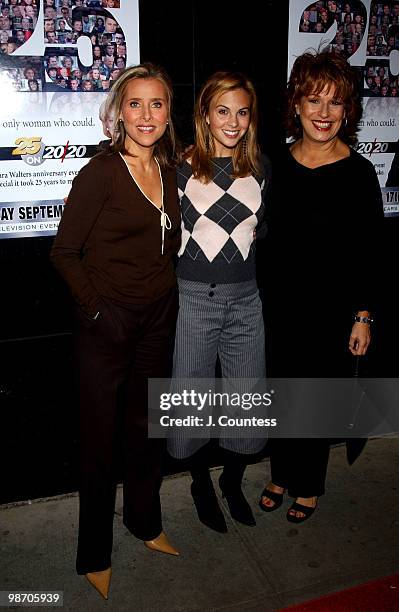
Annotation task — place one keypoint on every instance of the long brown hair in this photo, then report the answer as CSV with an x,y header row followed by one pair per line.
x,y
246,153
166,149
311,73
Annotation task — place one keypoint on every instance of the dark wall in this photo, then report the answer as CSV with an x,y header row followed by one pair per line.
x,y
194,39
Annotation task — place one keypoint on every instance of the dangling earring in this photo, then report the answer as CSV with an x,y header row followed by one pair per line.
x,y
245,146
346,123
297,120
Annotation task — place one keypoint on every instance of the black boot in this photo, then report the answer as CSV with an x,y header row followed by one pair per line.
x,y
206,503
230,484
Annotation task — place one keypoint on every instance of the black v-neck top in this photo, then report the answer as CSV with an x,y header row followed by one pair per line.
x,y
109,239
325,236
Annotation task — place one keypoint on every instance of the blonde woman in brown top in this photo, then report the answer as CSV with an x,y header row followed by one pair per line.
x,y
115,248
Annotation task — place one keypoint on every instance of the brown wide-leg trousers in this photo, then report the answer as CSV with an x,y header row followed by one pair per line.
x,y
116,355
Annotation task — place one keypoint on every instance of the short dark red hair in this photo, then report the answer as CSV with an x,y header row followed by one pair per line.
x,y
311,73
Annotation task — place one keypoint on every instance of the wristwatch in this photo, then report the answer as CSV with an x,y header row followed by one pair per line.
x,y
367,320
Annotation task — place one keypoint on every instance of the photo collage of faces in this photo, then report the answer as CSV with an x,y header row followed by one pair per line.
x,y
17,21
350,18
379,82
64,22
62,25
383,34
28,78
382,37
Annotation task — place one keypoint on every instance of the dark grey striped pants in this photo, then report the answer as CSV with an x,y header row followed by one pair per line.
x,y
225,321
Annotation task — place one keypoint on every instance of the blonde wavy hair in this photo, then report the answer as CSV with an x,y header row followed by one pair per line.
x,y
246,154
167,148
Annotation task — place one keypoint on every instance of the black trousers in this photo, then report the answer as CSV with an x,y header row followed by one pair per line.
x,y
299,465
116,355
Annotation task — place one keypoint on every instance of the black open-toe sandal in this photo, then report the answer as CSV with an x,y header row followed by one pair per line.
x,y
277,498
306,510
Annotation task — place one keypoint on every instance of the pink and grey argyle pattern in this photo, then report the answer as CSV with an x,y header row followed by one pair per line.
x,y
220,217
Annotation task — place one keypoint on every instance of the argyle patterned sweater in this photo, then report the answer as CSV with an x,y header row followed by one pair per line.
x,y
218,223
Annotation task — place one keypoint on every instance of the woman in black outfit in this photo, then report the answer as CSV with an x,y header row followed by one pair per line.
x,y
323,246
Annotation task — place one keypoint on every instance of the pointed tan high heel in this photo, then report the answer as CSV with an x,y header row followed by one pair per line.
x,y
100,581
162,544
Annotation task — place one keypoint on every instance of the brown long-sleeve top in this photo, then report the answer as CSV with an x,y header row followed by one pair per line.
x,y
109,239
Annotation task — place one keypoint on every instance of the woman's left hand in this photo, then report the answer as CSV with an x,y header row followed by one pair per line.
x,y
359,339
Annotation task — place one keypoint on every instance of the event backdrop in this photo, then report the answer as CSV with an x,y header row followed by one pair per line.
x,y
367,32
57,59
